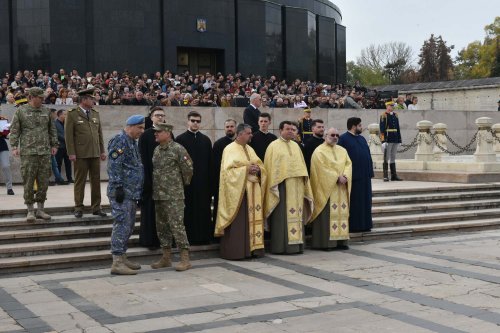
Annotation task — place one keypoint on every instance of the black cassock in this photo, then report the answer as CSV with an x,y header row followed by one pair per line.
x,y
360,210
260,141
218,149
310,144
147,234
198,195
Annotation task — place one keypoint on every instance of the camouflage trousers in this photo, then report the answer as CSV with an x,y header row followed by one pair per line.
x,y
35,167
170,223
123,225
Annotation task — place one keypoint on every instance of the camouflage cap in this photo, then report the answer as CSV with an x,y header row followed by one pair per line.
x,y
35,92
163,127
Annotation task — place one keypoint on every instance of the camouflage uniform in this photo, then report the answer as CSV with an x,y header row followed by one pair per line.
x,y
34,132
172,170
125,170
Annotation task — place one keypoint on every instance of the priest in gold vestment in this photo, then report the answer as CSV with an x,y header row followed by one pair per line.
x,y
331,172
288,200
239,220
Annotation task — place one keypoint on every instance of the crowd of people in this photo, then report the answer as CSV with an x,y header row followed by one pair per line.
x,y
283,182
185,89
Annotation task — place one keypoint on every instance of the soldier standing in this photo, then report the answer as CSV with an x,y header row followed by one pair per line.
x,y
84,143
390,135
126,176
305,126
172,170
33,136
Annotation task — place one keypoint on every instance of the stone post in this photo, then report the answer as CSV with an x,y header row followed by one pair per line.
x,y
441,141
374,143
496,130
424,139
485,141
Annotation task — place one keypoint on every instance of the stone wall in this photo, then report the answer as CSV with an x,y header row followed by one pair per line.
x,y
461,125
482,99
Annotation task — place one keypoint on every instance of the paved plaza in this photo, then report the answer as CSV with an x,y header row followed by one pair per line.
x,y
445,283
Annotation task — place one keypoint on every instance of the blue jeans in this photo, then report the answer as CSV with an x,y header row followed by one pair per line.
x,y
55,169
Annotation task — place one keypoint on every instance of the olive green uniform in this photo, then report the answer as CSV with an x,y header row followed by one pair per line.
x,y
83,134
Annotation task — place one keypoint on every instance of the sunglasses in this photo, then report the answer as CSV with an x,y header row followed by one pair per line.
x,y
195,121
334,135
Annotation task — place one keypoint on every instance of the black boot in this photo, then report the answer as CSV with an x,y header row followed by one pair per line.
x,y
386,172
394,175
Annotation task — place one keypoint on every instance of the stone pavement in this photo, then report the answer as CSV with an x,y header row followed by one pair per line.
x,y
441,284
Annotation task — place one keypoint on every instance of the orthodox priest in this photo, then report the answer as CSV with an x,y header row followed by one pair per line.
x,y
331,173
198,195
147,235
288,200
240,222
312,142
219,145
262,138
360,210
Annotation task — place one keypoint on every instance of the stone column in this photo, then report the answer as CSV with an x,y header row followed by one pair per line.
x,y
484,149
496,130
424,139
441,141
374,143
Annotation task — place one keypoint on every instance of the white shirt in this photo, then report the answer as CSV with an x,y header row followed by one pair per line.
x,y
412,107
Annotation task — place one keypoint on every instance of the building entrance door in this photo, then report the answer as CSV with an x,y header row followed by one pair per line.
x,y
200,60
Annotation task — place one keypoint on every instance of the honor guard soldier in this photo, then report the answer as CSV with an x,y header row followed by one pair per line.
x,y
305,126
126,177
390,135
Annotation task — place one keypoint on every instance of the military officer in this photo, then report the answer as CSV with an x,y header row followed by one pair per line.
x,y
85,146
390,135
172,170
305,126
33,136
126,176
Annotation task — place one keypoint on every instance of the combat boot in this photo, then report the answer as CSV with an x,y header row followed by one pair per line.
x,y
30,217
119,268
386,172
184,264
164,260
40,213
394,175
130,264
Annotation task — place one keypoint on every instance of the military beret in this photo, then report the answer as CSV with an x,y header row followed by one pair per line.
x,y
35,92
135,120
389,103
163,127
86,92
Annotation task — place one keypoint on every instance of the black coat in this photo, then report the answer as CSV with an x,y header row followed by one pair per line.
x,y
310,145
260,142
251,117
218,149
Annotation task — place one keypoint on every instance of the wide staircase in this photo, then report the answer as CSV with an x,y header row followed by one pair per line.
x,y
69,242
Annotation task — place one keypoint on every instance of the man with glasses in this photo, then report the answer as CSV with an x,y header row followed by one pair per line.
x,y
198,195
85,147
331,172
147,235
360,209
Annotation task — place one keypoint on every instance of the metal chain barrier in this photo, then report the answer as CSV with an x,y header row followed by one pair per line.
x,y
407,147
460,150
497,139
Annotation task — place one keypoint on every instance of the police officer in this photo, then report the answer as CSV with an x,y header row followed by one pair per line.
x,y
172,170
305,126
126,176
33,136
85,146
390,135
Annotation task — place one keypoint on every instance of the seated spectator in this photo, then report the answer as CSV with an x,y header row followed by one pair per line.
x,y
298,102
139,99
63,98
413,105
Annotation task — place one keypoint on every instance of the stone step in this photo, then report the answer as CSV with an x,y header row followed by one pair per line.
x,y
19,223
92,258
422,219
444,206
59,246
420,230
437,189
54,211
433,197
57,233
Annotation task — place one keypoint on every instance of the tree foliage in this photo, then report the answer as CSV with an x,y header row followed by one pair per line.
x,y
481,59
435,60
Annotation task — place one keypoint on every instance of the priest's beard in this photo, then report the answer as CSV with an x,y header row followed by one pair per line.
x,y
358,132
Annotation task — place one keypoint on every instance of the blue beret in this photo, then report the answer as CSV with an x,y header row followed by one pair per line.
x,y
135,120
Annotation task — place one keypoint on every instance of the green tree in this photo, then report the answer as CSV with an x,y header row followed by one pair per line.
x,y
481,59
366,75
435,60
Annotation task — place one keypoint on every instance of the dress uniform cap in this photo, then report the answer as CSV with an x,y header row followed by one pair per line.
x,y
163,127
135,120
307,110
86,92
389,103
35,92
